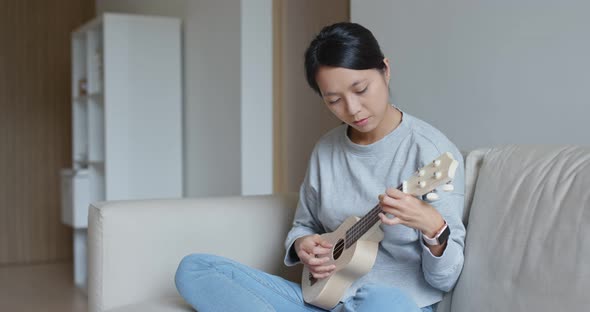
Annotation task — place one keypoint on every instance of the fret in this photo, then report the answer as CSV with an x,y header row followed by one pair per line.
x,y
364,224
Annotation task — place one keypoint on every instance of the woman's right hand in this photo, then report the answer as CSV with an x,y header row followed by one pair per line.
x,y
314,253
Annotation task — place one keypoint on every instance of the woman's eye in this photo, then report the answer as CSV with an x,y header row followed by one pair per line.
x,y
362,91
333,101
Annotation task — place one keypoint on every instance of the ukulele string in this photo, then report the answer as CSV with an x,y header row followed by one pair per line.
x,y
361,227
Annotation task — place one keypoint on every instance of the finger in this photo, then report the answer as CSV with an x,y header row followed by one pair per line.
x,y
324,243
306,252
305,257
318,250
322,269
321,275
318,240
392,211
390,221
395,193
389,201
317,261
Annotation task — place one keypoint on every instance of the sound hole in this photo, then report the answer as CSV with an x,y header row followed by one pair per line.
x,y
338,249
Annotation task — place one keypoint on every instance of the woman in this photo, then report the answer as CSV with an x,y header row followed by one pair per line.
x,y
352,167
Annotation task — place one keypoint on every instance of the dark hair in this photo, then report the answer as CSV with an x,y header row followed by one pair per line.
x,y
347,45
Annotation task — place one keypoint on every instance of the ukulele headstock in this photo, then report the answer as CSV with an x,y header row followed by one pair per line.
x,y
437,173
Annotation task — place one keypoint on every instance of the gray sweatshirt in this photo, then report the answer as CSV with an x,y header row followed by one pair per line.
x,y
344,179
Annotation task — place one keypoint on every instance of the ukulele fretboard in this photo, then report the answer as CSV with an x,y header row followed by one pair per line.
x,y
364,224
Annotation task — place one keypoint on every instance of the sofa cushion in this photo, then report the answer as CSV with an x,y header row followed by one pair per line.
x,y
527,246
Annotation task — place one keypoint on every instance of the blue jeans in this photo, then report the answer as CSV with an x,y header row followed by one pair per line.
x,y
213,283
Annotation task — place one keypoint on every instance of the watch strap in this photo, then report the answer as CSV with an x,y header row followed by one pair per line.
x,y
439,238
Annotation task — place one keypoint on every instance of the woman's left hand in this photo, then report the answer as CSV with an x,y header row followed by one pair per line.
x,y
410,211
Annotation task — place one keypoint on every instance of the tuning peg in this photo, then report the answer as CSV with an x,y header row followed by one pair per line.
x,y
437,175
432,196
422,184
448,187
405,186
421,173
436,162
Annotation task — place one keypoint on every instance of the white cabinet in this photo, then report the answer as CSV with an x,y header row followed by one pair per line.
x,y
126,117
74,193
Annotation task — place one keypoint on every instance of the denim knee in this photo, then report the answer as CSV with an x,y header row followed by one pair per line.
x,y
190,264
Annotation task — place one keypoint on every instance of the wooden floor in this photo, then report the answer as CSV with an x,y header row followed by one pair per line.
x,y
41,287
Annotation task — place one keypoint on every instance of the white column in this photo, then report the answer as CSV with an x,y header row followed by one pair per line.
x,y
256,95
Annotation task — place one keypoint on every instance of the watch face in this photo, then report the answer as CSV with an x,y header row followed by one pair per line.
x,y
442,238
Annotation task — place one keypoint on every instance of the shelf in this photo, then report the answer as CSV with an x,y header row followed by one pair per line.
x,y
79,131
84,164
78,62
141,58
94,60
96,130
93,96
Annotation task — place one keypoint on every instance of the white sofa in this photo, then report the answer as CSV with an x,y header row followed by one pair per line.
x,y
527,247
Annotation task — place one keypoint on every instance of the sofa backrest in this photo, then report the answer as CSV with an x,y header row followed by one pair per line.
x,y
527,246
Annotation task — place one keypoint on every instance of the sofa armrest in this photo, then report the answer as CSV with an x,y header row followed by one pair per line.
x,y
134,247
473,163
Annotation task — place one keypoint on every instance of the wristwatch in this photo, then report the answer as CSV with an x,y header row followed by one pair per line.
x,y
440,238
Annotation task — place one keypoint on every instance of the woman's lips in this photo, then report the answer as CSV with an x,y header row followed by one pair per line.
x,y
361,122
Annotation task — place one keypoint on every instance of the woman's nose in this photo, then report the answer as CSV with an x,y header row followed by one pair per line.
x,y
353,106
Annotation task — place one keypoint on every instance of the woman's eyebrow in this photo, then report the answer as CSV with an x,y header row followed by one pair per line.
x,y
357,82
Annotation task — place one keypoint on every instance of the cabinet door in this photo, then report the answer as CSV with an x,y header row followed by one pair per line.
x,y
142,107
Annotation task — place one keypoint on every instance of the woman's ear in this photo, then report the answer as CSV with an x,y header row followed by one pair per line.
x,y
386,70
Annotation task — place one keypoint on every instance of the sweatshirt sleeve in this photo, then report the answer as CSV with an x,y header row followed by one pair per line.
x,y
442,272
305,221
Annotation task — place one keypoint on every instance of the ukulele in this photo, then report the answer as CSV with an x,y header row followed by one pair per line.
x,y
356,241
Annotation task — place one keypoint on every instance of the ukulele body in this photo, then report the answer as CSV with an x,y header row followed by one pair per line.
x,y
351,264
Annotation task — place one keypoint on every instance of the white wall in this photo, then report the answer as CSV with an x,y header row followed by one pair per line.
x,y
212,89
219,140
488,72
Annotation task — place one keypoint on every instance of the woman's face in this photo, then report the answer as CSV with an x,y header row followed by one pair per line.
x,y
359,98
